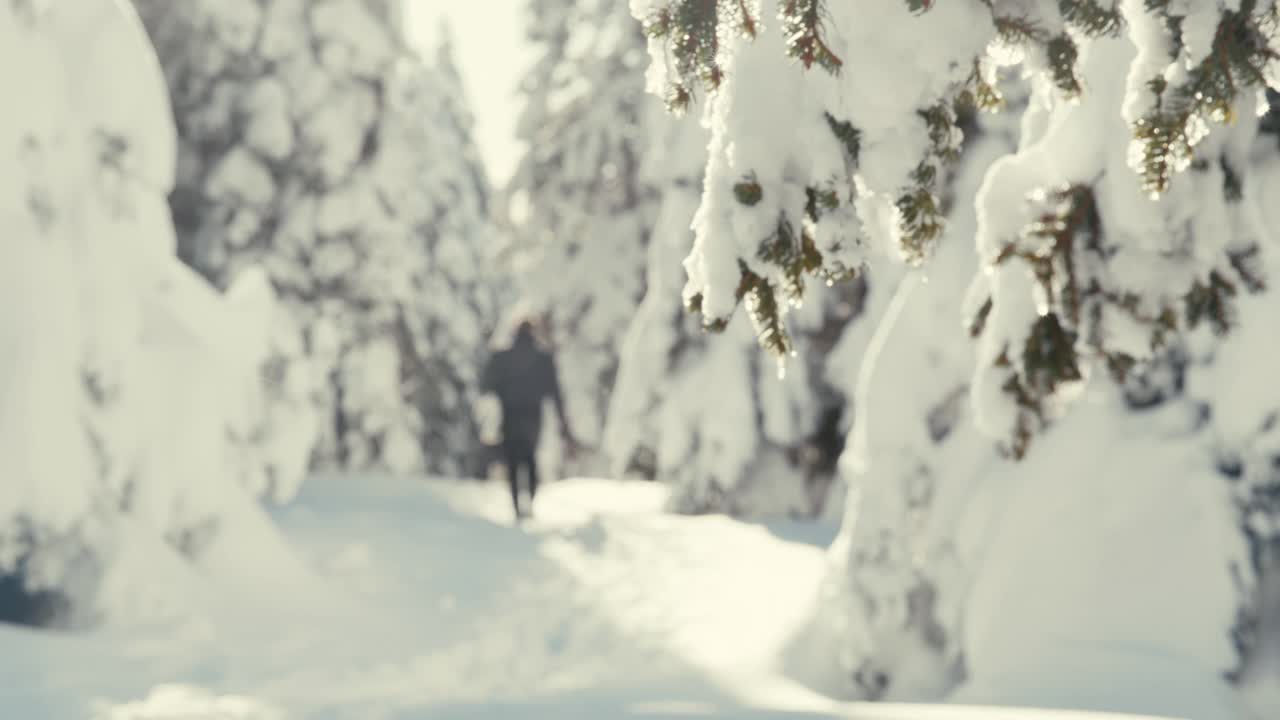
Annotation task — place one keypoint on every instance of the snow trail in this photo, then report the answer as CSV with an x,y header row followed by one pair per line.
x,y
433,603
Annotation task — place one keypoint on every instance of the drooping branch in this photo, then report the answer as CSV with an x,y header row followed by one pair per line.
x,y
803,29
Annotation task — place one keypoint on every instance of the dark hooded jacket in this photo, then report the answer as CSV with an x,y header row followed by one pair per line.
x,y
523,377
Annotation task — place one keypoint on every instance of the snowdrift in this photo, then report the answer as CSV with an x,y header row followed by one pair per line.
x,y
131,433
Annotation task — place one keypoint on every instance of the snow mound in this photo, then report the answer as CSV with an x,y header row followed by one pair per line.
x,y
174,702
133,393
908,711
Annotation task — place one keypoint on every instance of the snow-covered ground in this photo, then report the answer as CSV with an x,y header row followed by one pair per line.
x,y
426,601
430,602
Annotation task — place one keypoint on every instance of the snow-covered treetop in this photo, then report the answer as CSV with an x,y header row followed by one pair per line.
x,y
816,171
587,208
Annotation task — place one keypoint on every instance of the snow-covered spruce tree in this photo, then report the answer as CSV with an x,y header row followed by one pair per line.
x,y
131,386
451,310
588,210
1123,257
710,415
316,145
887,624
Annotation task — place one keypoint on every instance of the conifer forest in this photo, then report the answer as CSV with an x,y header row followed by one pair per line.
x,y
593,359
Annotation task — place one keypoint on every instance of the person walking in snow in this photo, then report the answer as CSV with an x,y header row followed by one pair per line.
x,y
523,377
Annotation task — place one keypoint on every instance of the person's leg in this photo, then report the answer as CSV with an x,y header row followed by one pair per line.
x,y
531,467
530,457
513,478
532,463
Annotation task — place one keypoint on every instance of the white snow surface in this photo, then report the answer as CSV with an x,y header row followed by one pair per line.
x,y
429,603
1163,626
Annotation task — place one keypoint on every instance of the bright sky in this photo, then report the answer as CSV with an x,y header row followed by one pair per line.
x,y
492,56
